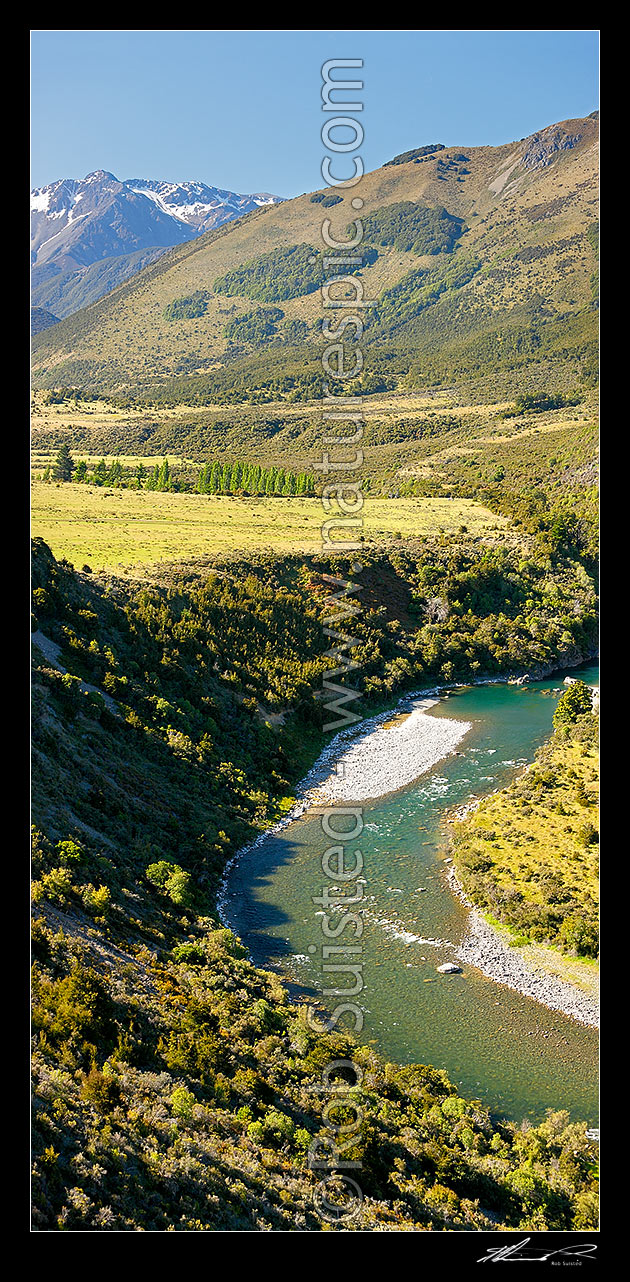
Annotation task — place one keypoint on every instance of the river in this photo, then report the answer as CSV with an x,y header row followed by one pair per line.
x,y
496,1045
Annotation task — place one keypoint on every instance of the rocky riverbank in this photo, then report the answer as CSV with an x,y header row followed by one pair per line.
x,y
483,947
381,755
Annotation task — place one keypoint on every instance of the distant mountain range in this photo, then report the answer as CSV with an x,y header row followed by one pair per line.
x,y
88,235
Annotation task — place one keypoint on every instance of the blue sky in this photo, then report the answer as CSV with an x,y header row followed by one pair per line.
x,y
242,109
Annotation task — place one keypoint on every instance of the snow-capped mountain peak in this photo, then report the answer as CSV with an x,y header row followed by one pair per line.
x,y
195,203
80,222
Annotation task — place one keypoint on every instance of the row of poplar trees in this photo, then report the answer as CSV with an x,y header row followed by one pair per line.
x,y
251,478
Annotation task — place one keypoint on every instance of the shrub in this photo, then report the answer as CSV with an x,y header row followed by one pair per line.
x,y
576,700
179,888
588,835
42,603
101,1090
77,1006
416,154
188,307
69,852
580,935
191,954
71,687
327,201
182,1103
55,886
225,941
96,899
172,880
274,1129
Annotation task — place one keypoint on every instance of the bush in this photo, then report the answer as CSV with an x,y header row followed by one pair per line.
x,y
69,853
96,899
172,880
182,1103
187,308
416,154
275,1129
73,1008
576,700
71,687
191,954
327,201
224,941
588,835
579,934
56,886
101,1090
179,888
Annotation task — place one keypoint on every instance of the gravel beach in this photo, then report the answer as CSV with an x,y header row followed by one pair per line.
x,y
484,948
386,757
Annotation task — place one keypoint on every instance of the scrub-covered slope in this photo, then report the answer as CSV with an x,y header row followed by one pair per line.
x,y
176,1089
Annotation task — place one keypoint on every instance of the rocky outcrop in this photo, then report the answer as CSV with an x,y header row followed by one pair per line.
x,y
542,147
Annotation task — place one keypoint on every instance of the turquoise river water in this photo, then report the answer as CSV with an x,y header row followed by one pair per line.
x,y
509,1051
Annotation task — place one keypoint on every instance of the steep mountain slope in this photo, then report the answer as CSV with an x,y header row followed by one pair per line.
x,y
41,319
484,266
76,223
68,291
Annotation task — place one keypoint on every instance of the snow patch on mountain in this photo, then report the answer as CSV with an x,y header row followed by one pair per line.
x,y
138,213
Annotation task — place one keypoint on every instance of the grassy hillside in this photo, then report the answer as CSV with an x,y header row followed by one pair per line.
x,y
529,854
495,266
174,1083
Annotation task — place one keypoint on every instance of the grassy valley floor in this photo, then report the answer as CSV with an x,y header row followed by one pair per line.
x,y
415,443
112,527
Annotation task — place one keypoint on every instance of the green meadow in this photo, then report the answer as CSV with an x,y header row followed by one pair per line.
x,y
108,528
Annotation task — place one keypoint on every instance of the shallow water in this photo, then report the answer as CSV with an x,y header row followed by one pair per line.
x,y
514,1054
